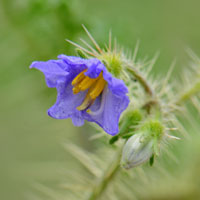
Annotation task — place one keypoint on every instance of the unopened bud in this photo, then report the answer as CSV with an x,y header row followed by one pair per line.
x,y
136,151
140,147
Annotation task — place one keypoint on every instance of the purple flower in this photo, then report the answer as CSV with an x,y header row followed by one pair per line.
x,y
86,91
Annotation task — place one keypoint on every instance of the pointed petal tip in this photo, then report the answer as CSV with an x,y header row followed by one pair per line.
x,y
33,65
49,113
61,56
113,132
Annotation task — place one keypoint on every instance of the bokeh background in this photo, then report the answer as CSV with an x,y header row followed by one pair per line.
x,y
31,148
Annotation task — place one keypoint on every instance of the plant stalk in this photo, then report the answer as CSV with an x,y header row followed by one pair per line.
x,y
189,93
108,175
141,80
114,166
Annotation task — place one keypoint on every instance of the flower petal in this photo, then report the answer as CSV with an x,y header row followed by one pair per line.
x,y
116,86
95,67
75,64
66,104
52,71
106,112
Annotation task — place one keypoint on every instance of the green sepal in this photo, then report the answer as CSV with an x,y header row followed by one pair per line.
x,y
151,160
81,53
113,139
131,118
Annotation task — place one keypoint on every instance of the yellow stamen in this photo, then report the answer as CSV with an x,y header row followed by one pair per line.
x,y
76,89
86,103
86,83
95,85
79,78
88,111
95,91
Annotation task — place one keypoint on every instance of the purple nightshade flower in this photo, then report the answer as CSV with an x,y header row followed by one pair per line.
x,y
86,91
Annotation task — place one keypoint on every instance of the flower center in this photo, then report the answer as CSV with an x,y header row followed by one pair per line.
x,y
95,87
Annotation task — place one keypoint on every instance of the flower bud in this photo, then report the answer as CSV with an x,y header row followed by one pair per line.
x,y
113,62
136,151
140,147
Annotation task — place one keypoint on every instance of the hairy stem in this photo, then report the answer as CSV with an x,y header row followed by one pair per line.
x,y
135,73
189,93
108,175
114,167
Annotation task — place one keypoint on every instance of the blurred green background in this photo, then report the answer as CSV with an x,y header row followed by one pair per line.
x,y
30,141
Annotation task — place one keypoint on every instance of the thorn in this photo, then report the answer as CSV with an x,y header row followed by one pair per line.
x,y
173,137
192,54
136,50
172,129
152,63
115,45
92,39
96,136
82,48
110,41
90,47
166,80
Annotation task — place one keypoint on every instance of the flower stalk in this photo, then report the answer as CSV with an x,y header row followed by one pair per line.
x,y
193,90
144,83
114,167
107,176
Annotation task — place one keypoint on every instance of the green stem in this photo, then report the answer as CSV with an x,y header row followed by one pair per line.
x,y
189,93
115,164
147,88
107,177
141,80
